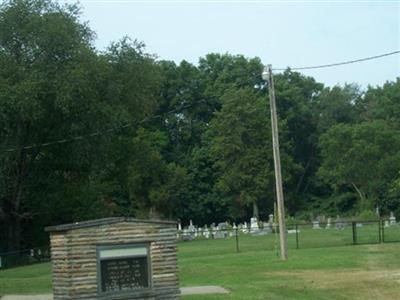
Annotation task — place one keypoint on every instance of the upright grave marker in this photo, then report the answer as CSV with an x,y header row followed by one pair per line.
x,y
115,258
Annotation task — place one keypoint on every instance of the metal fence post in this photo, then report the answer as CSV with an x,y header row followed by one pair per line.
x,y
354,225
297,237
383,230
380,231
237,241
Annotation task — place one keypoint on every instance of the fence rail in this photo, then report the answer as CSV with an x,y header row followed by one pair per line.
x,y
212,241
300,235
24,257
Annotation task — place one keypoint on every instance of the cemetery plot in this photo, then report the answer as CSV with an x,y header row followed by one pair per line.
x,y
256,235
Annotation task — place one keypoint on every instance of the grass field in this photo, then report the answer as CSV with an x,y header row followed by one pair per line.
x,y
345,272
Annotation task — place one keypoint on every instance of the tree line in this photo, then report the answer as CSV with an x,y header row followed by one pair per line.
x,y
88,134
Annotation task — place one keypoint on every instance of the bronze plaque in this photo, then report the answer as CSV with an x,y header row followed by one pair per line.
x,y
124,274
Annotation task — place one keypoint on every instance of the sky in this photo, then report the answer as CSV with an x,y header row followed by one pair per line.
x,y
282,33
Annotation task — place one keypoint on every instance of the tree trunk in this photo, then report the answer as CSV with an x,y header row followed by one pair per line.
x,y
361,194
255,210
154,214
300,182
14,234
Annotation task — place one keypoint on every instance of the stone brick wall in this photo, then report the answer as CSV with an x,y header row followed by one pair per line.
x,y
74,257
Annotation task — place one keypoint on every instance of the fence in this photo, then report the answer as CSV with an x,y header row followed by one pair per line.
x,y
24,257
302,235
213,241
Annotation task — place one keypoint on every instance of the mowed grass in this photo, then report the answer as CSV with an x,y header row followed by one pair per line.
x,y
344,272
33,279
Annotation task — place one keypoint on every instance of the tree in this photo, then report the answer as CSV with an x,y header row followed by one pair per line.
x,y
337,105
296,98
241,146
46,93
155,186
381,103
364,156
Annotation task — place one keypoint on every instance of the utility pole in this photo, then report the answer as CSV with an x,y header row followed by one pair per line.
x,y
267,75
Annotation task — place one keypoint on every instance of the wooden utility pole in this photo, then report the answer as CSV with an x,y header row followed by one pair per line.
x,y
267,75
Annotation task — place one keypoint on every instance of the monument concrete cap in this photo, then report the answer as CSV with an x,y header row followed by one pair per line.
x,y
105,221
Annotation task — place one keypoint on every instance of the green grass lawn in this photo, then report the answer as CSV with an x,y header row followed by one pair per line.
x,y
344,272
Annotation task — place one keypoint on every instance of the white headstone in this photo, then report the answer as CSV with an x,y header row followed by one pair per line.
x,y
254,225
192,229
315,224
328,223
206,233
392,219
245,228
271,219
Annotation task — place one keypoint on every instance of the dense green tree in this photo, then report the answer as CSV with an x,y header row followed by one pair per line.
x,y
337,105
365,157
382,103
225,71
47,91
186,112
54,86
145,137
155,187
241,146
296,97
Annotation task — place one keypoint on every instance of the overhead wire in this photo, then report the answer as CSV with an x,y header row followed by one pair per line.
x,y
115,129
339,63
103,132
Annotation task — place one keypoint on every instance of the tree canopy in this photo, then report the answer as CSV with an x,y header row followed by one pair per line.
x,y
87,134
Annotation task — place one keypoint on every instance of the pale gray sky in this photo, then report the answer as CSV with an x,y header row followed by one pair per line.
x,y
283,33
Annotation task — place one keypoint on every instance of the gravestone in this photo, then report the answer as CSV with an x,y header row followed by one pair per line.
x,y
233,231
187,235
221,231
192,229
315,224
254,225
339,224
206,232
212,230
392,219
245,228
271,222
328,223
271,219
115,258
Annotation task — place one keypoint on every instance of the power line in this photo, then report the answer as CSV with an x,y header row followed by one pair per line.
x,y
98,133
338,64
112,130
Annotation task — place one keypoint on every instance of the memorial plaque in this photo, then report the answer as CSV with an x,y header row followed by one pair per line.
x,y
123,269
124,274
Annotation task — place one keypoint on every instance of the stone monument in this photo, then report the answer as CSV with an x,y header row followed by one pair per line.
x,y
328,223
315,224
392,219
254,225
114,258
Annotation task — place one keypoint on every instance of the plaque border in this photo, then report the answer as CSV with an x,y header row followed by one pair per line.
x,y
124,246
